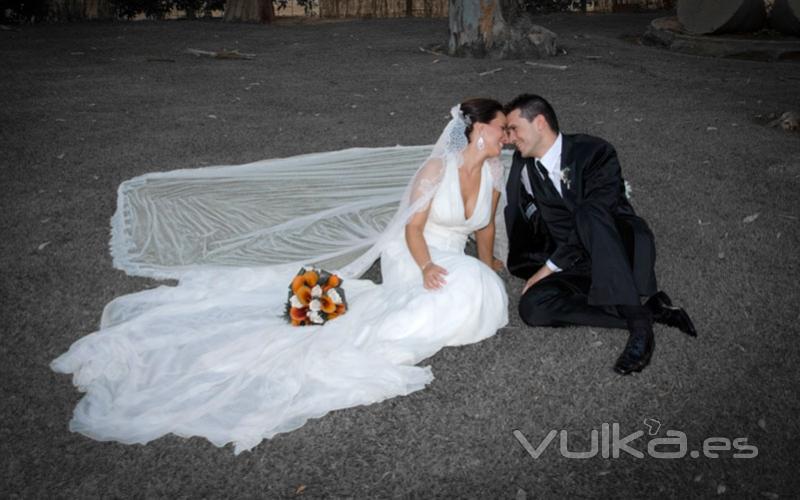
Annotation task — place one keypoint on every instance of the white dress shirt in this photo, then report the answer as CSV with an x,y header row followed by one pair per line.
x,y
552,162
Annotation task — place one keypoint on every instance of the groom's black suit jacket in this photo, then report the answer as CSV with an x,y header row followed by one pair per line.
x,y
592,171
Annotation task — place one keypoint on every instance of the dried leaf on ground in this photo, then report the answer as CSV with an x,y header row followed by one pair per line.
x,y
751,218
221,54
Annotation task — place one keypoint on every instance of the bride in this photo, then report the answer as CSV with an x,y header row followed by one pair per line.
x,y
213,356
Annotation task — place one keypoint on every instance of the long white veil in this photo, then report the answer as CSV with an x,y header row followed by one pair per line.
x,y
335,210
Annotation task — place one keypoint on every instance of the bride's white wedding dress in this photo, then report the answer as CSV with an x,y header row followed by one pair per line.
x,y
213,356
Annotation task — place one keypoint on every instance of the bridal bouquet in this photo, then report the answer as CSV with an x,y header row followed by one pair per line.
x,y
315,296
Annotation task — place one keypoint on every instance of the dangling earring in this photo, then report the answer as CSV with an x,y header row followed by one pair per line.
x,y
480,143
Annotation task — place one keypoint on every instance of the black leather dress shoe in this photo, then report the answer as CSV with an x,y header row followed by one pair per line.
x,y
665,313
638,350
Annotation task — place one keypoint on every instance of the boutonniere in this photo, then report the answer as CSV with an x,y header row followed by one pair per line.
x,y
628,190
565,177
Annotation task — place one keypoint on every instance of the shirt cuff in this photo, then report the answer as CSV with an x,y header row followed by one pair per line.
x,y
552,266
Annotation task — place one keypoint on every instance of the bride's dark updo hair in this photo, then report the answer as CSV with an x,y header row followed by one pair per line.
x,y
479,110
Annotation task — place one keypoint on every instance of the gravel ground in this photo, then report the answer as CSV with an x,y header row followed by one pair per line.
x,y
86,106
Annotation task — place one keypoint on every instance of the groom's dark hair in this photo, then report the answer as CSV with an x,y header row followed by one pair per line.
x,y
530,106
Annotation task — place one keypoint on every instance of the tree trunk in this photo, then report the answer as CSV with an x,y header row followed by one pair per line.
x,y
65,10
785,16
97,9
497,29
472,24
706,17
433,8
382,8
365,8
260,11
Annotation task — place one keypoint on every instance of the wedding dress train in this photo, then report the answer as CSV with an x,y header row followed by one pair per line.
x,y
213,356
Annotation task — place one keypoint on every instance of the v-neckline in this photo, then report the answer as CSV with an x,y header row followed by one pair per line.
x,y
461,197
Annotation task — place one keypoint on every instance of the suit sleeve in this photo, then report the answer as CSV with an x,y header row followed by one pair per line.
x,y
529,243
602,181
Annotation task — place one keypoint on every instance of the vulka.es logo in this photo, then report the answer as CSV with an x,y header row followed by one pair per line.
x,y
609,444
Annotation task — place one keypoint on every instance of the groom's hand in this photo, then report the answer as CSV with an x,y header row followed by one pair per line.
x,y
539,275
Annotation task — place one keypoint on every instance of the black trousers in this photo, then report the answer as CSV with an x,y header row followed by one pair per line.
x,y
620,270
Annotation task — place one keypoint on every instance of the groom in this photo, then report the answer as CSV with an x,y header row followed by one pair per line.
x,y
587,257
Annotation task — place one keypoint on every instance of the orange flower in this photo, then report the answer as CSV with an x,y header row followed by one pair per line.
x,y
297,282
304,295
333,282
308,278
311,278
327,304
338,310
298,315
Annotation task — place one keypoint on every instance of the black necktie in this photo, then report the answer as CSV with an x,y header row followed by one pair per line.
x,y
542,170
546,177
526,201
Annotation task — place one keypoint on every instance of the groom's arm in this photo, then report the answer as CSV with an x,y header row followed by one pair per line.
x,y
602,179
529,245
539,275
529,242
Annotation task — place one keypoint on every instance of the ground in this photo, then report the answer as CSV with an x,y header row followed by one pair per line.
x,y
87,106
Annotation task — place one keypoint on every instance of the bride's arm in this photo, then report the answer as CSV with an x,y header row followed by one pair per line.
x,y
484,238
432,275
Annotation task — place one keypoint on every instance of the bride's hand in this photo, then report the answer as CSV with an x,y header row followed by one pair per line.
x,y
433,276
497,264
